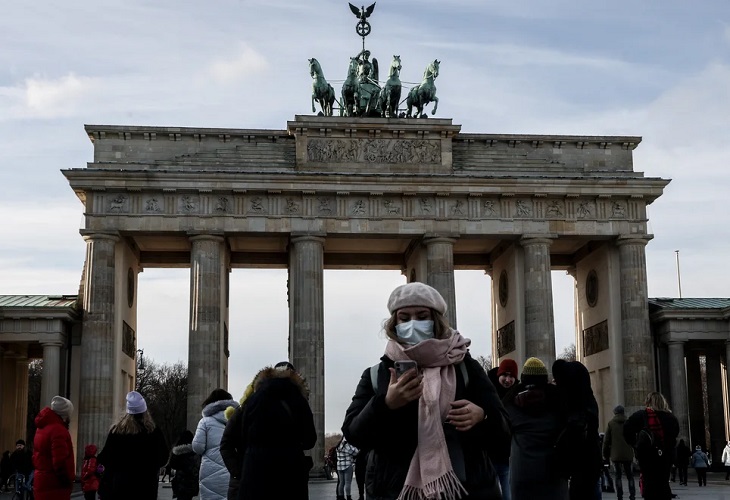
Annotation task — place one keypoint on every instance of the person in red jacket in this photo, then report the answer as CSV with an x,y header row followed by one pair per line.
x,y
89,473
53,454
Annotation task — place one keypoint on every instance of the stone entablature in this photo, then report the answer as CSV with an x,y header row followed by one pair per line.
x,y
336,144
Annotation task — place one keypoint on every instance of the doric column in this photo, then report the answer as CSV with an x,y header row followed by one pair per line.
x,y
306,325
21,396
697,421
715,406
635,333
205,341
678,387
98,367
440,272
51,371
539,322
8,375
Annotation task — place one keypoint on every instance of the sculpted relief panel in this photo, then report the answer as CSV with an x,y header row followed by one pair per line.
x,y
361,205
396,151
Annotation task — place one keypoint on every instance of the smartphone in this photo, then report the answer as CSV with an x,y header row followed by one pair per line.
x,y
403,366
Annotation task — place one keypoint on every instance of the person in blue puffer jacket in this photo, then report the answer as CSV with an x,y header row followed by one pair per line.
x,y
214,476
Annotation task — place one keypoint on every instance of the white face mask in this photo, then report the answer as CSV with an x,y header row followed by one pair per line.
x,y
414,331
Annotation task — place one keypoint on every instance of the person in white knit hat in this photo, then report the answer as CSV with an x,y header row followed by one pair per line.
x,y
134,451
427,429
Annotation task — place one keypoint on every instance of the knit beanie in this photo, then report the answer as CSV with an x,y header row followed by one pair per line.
x,y
135,403
534,372
20,441
618,410
62,407
508,366
416,294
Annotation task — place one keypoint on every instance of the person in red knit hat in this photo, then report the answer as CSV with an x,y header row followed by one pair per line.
x,y
504,377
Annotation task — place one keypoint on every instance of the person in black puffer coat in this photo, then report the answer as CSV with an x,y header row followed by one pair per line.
x,y
184,461
503,377
579,444
268,435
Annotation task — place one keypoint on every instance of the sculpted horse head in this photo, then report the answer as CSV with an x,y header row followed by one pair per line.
x,y
395,67
390,96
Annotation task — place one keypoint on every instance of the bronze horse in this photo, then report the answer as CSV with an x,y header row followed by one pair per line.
x,y
322,92
390,95
349,104
422,94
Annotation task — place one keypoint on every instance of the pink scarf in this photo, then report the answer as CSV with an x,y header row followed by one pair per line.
x,y
431,475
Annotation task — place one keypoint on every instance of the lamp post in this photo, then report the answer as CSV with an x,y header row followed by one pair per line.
x,y
138,368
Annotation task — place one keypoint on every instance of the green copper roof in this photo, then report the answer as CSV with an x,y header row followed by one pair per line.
x,y
690,303
38,300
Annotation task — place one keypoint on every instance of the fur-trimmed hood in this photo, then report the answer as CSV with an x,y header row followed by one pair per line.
x,y
216,407
182,449
269,374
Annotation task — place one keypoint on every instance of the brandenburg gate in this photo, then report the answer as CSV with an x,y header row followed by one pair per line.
x,y
328,192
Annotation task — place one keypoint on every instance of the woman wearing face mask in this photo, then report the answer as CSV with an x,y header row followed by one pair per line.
x,y
430,429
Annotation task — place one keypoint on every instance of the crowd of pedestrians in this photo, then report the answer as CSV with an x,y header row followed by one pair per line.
x,y
425,422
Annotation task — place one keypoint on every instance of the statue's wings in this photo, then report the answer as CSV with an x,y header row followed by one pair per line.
x,y
370,10
355,10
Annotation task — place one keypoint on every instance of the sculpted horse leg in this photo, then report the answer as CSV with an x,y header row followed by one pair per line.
x,y
313,98
435,106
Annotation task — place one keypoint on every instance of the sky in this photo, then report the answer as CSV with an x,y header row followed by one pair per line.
x,y
659,69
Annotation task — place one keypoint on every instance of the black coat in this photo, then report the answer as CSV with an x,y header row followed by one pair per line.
x,y
392,435
264,441
132,465
655,470
186,464
536,470
500,453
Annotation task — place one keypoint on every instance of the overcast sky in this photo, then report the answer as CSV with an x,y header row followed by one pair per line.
x,y
657,68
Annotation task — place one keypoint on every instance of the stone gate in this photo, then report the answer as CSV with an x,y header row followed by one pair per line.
x,y
416,195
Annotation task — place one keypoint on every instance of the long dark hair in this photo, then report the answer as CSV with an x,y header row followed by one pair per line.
x,y
186,437
217,395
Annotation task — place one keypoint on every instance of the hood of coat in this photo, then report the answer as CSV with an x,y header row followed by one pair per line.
x,y
271,375
216,408
182,449
90,450
48,417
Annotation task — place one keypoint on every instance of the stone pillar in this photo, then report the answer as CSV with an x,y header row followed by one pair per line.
x,y
97,399
7,418
694,398
635,333
51,375
678,387
21,396
727,380
539,322
205,341
306,326
440,272
716,408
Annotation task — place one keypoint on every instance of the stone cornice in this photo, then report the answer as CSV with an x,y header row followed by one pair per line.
x,y
152,133
554,141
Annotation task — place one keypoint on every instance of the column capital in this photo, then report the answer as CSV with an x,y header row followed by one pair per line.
x,y
90,235
627,239
206,237
527,240
429,240
676,342
314,237
51,343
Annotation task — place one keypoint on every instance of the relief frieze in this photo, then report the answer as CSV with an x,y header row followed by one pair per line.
x,y
152,205
292,206
358,208
189,204
523,208
457,209
325,206
491,208
256,205
585,209
391,208
119,204
401,151
618,210
426,205
222,205
555,209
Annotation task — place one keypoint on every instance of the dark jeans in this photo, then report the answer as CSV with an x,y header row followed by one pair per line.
x,y
618,467
701,476
89,495
682,470
727,472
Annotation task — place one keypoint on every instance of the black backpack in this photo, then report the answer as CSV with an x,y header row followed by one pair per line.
x,y
332,456
649,445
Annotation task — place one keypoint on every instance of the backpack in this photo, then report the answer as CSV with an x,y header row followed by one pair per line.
x,y
649,444
374,375
332,456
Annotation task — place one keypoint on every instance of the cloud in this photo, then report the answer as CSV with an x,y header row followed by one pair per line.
x,y
243,64
49,98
